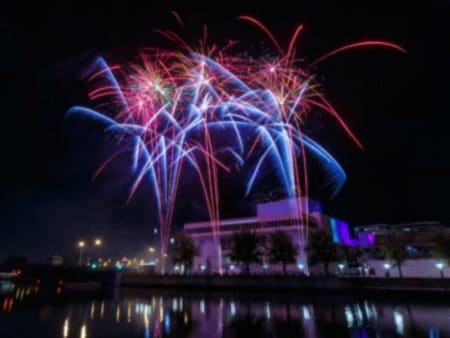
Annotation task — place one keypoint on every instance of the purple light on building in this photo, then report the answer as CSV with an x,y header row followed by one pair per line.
x,y
340,231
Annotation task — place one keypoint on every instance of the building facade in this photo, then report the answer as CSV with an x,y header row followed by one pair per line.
x,y
416,234
289,215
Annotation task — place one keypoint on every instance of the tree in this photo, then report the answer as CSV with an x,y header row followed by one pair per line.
x,y
440,244
281,249
184,251
244,249
394,249
321,249
351,256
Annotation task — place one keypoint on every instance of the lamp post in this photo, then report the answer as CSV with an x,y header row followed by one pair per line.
x,y
152,251
81,245
98,243
440,267
341,268
387,266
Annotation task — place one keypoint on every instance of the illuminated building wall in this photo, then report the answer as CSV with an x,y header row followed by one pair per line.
x,y
270,217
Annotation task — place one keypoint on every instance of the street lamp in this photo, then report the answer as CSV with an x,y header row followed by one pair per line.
x,y
440,266
98,243
387,266
81,245
151,249
341,267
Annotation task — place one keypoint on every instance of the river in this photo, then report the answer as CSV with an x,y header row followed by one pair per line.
x,y
28,312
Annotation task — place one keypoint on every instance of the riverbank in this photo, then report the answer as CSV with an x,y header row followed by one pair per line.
x,y
298,283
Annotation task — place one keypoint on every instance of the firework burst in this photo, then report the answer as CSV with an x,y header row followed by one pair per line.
x,y
190,106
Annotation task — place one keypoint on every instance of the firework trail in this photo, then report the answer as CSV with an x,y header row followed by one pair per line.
x,y
177,109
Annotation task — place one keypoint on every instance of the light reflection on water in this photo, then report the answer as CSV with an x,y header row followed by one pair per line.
x,y
28,312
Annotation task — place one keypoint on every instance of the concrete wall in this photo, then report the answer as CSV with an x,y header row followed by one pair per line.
x,y
350,285
420,268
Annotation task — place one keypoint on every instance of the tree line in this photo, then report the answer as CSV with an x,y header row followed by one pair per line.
x,y
281,249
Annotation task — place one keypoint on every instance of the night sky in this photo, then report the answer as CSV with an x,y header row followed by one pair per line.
x,y
395,103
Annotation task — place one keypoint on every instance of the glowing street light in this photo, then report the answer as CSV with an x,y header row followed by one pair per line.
x,y
440,266
151,249
81,245
387,266
98,243
341,267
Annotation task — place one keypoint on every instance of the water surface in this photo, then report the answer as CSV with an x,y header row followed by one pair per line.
x,y
30,312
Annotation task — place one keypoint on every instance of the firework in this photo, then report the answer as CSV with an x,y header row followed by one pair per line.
x,y
174,110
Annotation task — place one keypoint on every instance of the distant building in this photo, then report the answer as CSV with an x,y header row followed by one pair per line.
x,y
417,229
55,260
289,215
416,234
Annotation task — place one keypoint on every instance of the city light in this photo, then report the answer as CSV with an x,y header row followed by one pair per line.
x,y
81,245
151,249
387,266
119,266
440,266
97,242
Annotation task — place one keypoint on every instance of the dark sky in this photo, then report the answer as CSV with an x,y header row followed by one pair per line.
x,y
395,103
